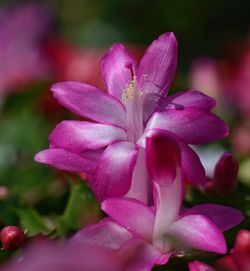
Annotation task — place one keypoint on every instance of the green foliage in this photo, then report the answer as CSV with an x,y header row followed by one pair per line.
x,y
81,209
33,223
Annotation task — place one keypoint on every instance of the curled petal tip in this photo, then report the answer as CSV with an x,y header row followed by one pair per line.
x,y
56,87
168,35
39,157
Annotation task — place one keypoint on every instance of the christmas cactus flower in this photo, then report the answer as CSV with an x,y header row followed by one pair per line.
x,y
165,228
107,235
106,144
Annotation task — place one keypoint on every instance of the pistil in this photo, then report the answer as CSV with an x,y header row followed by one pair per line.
x,y
133,100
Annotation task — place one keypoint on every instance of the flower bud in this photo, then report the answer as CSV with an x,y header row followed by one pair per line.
x,y
225,174
12,237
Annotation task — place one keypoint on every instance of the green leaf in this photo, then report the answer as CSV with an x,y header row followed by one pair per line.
x,y
81,209
33,223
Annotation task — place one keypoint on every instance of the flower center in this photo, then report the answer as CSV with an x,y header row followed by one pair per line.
x,y
133,100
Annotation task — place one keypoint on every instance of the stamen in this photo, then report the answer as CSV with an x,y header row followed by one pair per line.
x,y
130,91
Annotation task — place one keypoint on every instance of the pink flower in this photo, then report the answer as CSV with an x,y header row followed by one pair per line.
x,y
22,30
239,261
72,63
50,256
204,75
166,229
241,138
236,79
227,79
109,145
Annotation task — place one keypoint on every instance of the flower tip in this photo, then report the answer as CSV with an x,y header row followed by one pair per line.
x,y
105,205
59,87
169,37
55,87
227,131
39,157
222,249
163,259
62,86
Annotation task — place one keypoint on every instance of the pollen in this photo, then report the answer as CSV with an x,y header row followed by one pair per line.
x,y
130,92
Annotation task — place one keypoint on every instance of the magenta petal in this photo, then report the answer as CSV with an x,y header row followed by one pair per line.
x,y
223,217
190,98
47,254
114,174
141,255
65,160
163,157
199,266
157,67
90,102
191,165
117,67
133,215
79,136
105,234
190,161
198,232
201,127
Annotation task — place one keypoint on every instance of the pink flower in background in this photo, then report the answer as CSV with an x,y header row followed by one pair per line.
x,y
72,63
239,259
235,74
107,145
166,229
241,138
204,75
22,29
226,79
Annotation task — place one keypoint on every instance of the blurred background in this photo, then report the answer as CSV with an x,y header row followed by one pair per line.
x,y
43,42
